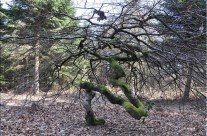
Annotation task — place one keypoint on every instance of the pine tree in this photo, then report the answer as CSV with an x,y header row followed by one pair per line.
x,y
187,19
37,20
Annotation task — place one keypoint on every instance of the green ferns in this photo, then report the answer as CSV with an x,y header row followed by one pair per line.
x,y
132,105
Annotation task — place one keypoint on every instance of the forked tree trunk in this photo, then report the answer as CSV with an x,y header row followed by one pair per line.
x,y
37,64
186,94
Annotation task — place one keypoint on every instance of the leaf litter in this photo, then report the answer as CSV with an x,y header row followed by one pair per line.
x,y
67,119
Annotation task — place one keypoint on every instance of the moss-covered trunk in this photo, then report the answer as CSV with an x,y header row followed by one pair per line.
x,y
131,104
89,116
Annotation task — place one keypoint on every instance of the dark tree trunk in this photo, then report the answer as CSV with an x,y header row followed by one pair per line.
x,y
188,83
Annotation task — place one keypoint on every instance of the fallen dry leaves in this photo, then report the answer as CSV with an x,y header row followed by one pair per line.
x,y
67,119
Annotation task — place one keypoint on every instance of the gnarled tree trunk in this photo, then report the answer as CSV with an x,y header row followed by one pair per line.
x,y
131,104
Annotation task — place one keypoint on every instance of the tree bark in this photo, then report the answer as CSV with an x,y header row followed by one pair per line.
x,y
131,104
89,116
37,64
186,94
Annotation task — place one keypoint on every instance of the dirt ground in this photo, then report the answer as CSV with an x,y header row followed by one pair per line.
x,y
65,117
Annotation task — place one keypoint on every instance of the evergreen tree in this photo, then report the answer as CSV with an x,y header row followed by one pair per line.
x,y
187,20
37,20
5,63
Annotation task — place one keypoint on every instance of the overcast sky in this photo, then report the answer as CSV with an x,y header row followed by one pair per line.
x,y
86,4
97,4
4,3
77,3
80,5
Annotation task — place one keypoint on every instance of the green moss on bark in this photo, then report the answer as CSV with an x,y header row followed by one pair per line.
x,y
132,105
118,72
103,90
136,113
135,110
127,92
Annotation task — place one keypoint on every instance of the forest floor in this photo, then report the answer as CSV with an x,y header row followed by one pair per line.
x,y
65,117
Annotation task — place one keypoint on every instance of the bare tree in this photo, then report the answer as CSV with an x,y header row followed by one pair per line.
x,y
139,47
